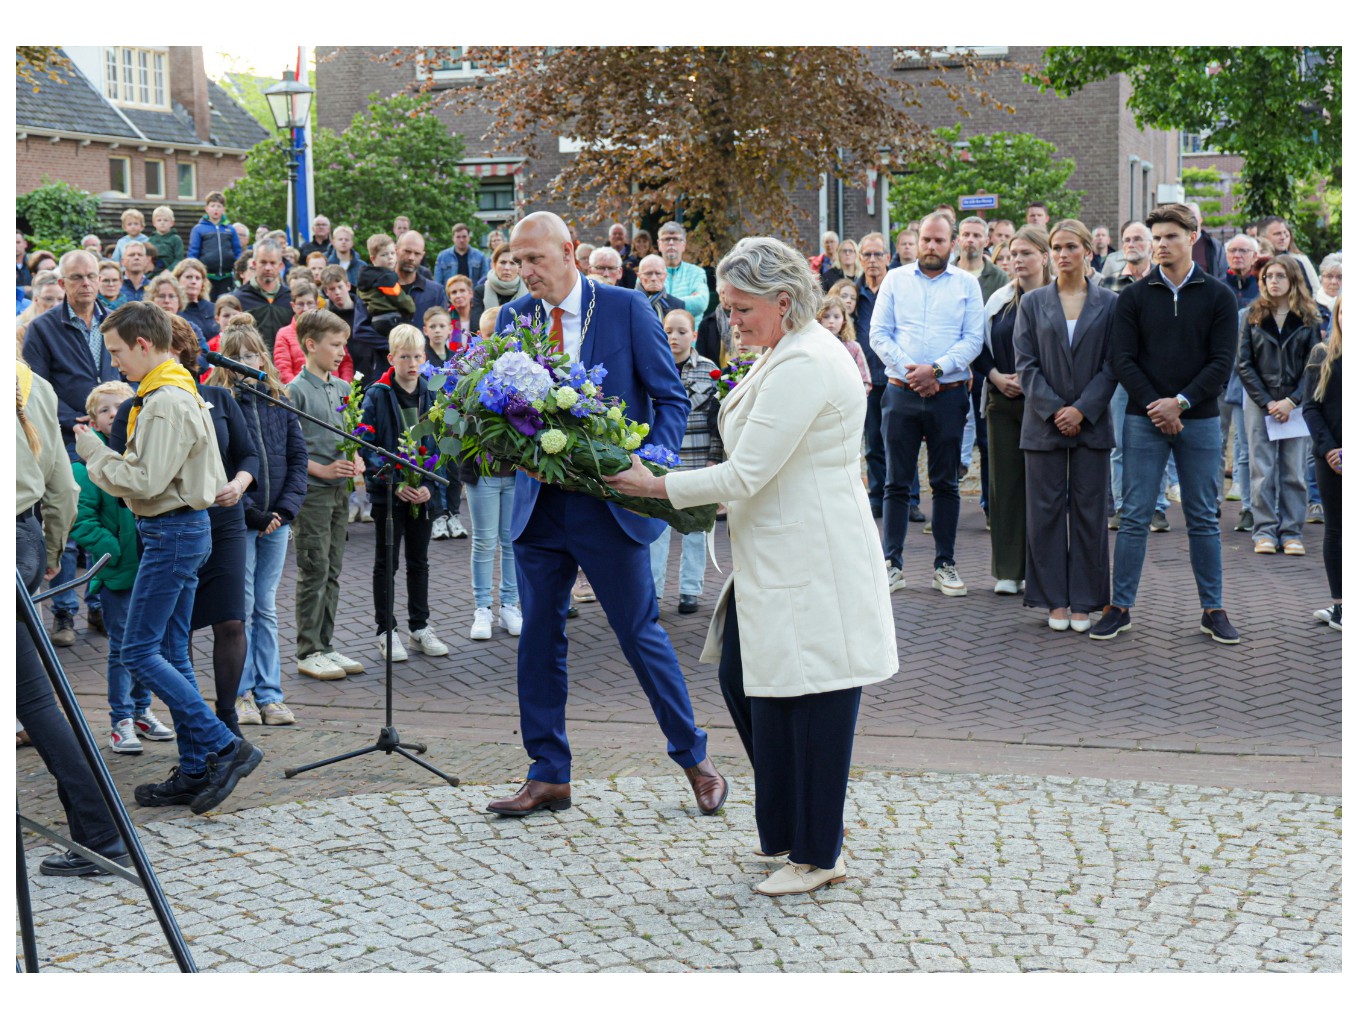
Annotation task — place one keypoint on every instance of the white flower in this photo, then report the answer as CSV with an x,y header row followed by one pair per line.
x,y
589,388
566,397
552,440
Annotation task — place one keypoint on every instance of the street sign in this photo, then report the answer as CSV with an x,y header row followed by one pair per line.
x,y
970,202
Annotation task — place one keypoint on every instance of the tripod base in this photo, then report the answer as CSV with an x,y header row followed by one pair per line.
x,y
389,742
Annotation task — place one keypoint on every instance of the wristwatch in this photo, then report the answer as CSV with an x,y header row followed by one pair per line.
x,y
1182,403
936,369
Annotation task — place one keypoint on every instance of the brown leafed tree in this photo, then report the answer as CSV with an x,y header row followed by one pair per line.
x,y
32,63
728,133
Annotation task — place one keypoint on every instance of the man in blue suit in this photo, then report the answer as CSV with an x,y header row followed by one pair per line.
x,y
554,531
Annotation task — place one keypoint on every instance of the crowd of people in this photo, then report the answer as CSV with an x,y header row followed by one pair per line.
x,y
1098,383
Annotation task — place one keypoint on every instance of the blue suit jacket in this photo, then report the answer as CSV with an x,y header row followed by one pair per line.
x,y
626,337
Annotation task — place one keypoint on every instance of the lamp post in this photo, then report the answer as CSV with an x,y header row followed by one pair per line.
x,y
290,104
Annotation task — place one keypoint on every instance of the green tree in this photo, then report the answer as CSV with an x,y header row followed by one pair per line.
x,y
58,215
1278,107
730,135
1202,185
1016,167
395,158
1317,218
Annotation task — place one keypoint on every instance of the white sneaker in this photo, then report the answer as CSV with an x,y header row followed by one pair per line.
x,y
152,728
1234,493
366,510
895,579
512,620
427,642
398,649
440,528
456,529
1173,493
319,666
947,581
1005,587
481,624
353,507
123,738
247,712
345,662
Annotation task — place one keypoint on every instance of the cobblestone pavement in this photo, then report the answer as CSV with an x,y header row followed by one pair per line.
x,y
946,873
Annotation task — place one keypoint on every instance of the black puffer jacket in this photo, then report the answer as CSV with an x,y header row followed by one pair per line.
x,y
281,483
1272,361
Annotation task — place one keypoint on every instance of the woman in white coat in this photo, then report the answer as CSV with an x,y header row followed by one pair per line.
x,y
804,620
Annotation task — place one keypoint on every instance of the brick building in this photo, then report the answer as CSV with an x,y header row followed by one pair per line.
x,y
137,126
1118,166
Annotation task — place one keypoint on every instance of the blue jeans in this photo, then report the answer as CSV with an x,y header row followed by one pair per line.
x,y
265,555
1118,403
489,503
156,636
1230,414
68,602
127,698
693,550
907,420
1198,450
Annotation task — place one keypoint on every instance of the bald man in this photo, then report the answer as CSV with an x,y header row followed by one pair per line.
x,y
555,531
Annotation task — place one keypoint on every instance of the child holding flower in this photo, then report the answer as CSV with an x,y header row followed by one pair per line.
x,y
397,408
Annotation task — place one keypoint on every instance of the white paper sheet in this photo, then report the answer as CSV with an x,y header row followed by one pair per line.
x,y
1294,428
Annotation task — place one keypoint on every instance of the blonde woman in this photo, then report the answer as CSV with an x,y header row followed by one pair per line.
x,y
269,510
1322,412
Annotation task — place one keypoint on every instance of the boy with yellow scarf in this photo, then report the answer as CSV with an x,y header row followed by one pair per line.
x,y
169,475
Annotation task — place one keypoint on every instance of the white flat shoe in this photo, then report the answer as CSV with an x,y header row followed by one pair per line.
x,y
801,878
1081,626
1062,624
1007,587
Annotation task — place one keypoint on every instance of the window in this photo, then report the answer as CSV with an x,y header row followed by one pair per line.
x,y
155,178
188,183
910,55
120,175
135,76
451,63
495,198
1194,142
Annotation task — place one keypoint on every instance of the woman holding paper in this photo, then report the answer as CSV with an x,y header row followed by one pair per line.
x,y
1280,329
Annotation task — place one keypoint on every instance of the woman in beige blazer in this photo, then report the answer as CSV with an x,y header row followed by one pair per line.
x,y
803,621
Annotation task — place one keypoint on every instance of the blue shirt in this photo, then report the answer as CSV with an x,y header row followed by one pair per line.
x,y
918,320
93,337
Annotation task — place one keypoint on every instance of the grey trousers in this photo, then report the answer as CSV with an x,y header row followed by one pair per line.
x,y
1067,550
1279,494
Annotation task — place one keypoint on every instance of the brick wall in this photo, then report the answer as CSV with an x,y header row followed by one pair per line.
x,y
1093,127
88,168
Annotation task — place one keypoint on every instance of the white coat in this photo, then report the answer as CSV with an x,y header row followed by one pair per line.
x,y
808,573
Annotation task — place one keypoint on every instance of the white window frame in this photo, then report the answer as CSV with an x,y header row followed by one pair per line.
x,y
193,181
901,54
137,76
150,163
461,70
127,176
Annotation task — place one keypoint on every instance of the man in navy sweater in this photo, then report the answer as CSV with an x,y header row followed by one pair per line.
x,y
1174,343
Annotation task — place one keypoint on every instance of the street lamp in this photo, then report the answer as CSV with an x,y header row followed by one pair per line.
x,y
290,104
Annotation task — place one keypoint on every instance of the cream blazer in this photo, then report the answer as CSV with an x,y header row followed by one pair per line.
x,y
807,574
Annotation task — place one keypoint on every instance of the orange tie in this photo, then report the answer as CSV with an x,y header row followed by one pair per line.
x,y
555,334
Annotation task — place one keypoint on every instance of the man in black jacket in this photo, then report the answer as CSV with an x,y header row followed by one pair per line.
x,y
1174,340
266,299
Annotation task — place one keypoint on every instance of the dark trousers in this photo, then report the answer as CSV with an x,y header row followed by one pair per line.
x,y
800,750
1007,463
1068,550
873,445
414,534
1329,488
907,420
568,530
87,816
980,424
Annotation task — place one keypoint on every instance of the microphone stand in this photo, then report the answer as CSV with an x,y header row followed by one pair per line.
x,y
389,741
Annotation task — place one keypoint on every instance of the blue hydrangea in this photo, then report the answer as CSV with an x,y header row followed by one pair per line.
x,y
660,455
521,373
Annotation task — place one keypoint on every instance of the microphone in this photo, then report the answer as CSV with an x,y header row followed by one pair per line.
x,y
213,358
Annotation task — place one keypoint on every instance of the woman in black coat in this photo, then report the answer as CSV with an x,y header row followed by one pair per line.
x,y
1322,412
1062,352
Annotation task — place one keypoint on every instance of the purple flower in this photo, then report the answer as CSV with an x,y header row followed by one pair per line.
x,y
524,417
525,322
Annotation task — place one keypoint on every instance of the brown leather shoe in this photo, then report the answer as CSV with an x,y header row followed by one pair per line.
x,y
534,796
710,788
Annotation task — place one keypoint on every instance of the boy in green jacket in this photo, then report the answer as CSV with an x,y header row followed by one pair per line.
x,y
104,525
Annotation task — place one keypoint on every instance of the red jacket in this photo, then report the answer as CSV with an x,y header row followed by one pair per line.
x,y
289,359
